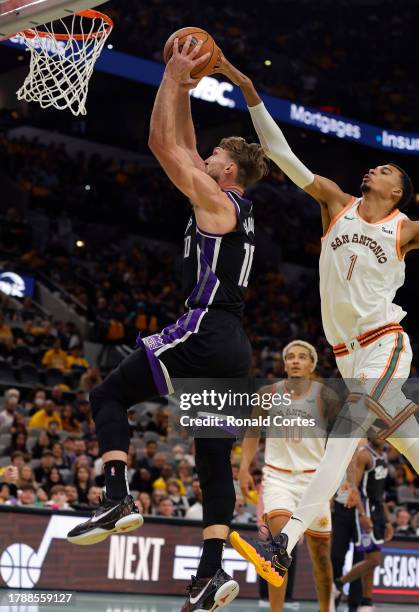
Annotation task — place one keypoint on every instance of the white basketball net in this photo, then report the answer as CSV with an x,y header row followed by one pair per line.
x,y
61,66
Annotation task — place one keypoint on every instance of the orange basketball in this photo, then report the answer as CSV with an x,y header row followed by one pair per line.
x,y
207,46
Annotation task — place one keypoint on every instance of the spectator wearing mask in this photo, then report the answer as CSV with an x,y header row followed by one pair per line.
x,y
38,402
42,417
7,414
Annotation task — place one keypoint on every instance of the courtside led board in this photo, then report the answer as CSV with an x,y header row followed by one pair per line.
x,y
18,15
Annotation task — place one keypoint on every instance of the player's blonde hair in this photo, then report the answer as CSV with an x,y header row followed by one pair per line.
x,y
249,157
312,351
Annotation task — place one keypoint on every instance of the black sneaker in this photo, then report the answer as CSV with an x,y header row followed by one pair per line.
x,y
269,556
211,593
336,595
111,517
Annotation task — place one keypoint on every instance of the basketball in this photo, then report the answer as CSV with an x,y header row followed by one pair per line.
x,y
207,46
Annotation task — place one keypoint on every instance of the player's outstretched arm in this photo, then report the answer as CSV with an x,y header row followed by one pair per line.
x,y
409,236
203,191
185,131
276,147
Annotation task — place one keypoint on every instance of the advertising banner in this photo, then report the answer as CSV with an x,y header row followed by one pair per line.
x,y
159,558
222,92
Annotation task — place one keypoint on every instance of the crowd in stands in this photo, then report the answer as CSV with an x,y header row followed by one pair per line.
x,y
359,62
128,287
35,349
51,444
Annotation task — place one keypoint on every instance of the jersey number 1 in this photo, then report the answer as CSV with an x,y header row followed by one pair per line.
x,y
353,259
249,251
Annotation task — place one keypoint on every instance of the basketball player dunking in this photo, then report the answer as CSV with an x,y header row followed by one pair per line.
x,y
361,267
208,341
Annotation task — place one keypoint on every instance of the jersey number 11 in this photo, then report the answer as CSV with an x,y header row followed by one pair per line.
x,y
249,251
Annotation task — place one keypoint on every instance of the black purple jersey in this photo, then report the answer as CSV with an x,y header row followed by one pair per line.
x,y
216,268
374,480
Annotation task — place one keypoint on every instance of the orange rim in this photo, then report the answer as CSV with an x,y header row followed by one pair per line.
x,y
89,14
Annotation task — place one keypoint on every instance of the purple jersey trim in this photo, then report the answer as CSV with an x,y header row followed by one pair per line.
x,y
207,281
236,204
171,335
156,369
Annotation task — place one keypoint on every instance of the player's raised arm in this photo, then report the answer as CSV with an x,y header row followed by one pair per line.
x,y
185,131
409,236
274,143
203,191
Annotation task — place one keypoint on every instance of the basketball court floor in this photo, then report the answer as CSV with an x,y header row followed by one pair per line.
x,y
95,602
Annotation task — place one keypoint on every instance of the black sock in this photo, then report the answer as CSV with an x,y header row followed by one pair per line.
x,y
212,555
366,602
116,482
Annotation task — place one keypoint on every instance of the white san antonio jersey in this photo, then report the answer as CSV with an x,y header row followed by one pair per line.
x,y
361,268
291,451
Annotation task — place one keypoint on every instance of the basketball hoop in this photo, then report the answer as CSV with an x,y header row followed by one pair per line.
x,y
62,61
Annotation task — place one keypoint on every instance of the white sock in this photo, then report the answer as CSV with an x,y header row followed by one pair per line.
x,y
323,486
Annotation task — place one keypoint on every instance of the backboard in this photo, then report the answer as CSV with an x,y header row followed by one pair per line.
x,y
18,15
